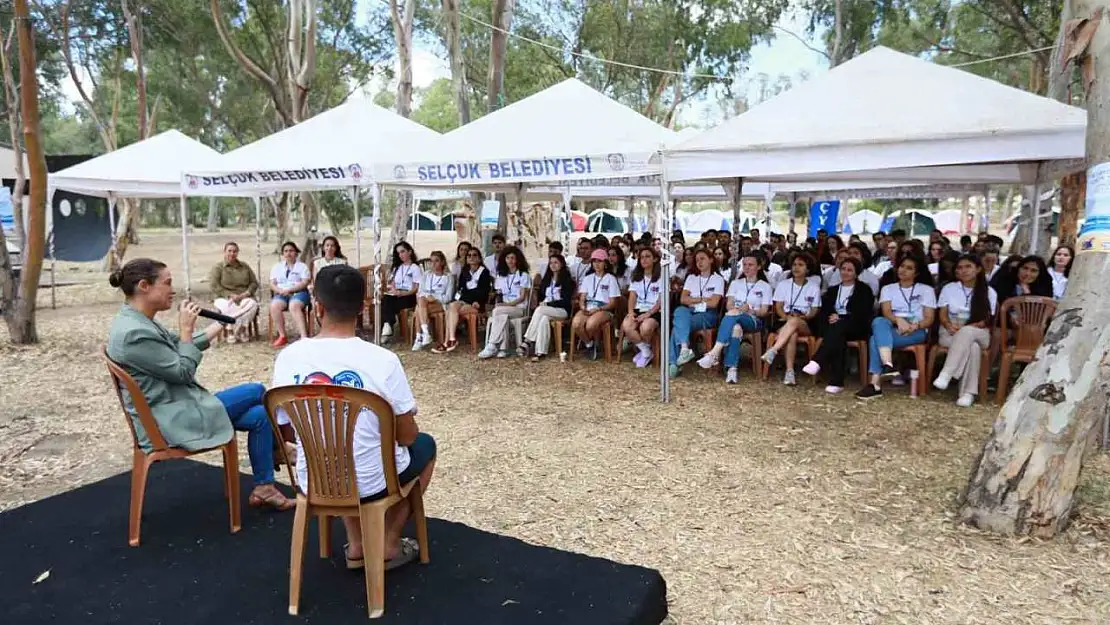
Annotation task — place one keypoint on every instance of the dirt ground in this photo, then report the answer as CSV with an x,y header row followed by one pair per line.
x,y
758,503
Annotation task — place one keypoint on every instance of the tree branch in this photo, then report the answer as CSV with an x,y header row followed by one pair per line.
x,y
248,64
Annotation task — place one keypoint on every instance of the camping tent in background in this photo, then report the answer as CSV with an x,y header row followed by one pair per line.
x,y
948,221
865,221
606,221
708,220
447,222
579,220
423,220
916,223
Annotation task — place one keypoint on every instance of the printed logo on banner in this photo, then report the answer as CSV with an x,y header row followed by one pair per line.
x,y
191,182
399,172
616,162
355,171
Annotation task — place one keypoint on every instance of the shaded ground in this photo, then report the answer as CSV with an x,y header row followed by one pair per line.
x,y
759,504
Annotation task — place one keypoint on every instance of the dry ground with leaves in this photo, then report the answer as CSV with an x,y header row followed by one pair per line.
x,y
758,503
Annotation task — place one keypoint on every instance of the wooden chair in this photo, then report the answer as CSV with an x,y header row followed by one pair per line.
x,y
654,347
252,329
1033,314
919,356
308,317
160,450
861,348
984,366
607,342
324,417
810,343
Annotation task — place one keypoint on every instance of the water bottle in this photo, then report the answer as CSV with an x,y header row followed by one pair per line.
x,y
914,374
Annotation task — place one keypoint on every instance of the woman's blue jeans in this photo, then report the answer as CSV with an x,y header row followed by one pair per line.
x,y
884,334
685,322
747,322
248,414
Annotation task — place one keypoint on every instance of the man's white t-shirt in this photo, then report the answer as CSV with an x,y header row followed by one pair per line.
x,y
407,277
358,364
286,277
908,303
511,286
647,293
491,263
754,294
599,290
798,299
579,268
957,298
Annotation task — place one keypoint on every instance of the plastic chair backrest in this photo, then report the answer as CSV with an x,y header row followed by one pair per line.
x,y
122,381
1029,315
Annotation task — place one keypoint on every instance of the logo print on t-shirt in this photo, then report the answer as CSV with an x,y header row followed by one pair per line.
x,y
343,378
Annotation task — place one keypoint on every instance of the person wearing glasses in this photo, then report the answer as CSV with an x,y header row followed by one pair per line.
x,y
289,282
471,296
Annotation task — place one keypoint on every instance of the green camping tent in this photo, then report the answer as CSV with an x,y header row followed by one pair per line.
x,y
915,223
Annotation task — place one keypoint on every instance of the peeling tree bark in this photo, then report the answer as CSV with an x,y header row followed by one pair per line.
x,y
1024,480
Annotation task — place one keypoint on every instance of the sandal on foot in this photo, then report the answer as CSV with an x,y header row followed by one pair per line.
x,y
275,501
353,564
409,550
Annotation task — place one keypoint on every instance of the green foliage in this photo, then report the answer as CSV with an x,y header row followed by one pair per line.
x,y
437,108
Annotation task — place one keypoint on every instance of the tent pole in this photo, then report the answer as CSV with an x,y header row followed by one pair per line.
x,y
53,282
185,244
258,238
566,236
985,218
665,301
734,246
520,216
375,222
1036,206
631,207
768,201
358,229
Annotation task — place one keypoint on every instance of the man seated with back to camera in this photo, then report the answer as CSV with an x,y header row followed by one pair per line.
x,y
336,356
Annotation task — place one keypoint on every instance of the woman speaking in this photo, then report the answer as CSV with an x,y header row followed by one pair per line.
x,y
164,365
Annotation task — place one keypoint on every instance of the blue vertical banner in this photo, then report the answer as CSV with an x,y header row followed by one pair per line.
x,y
823,216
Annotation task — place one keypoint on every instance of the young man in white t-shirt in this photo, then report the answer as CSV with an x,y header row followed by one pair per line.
x,y
336,356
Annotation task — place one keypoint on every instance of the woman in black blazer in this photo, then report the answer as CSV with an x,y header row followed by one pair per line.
x,y
846,312
471,297
555,296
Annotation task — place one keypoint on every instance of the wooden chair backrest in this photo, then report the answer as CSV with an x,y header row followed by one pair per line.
x,y
121,380
1033,313
324,418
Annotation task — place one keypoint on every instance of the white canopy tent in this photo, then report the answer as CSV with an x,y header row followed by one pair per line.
x,y
147,169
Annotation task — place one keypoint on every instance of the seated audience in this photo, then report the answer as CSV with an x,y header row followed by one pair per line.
x,y
967,307
289,282
436,290
797,301
1060,270
471,296
645,299
846,312
557,297
697,310
164,365
598,296
337,356
405,276
748,301
908,307
460,258
235,287
498,242
514,287
333,255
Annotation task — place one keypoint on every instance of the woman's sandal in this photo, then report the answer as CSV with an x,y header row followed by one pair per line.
x,y
409,550
274,500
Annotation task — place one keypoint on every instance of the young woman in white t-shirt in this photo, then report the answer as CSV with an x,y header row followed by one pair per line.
x,y
622,270
460,258
598,296
721,257
289,283
645,297
400,291
749,300
908,308
701,294
967,307
436,291
1060,269
514,288
797,301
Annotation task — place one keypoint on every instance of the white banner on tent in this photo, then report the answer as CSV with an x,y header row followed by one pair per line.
x,y
527,170
248,182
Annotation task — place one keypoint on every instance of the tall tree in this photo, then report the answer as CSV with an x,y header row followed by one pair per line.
x,y
11,101
499,38
19,307
453,39
402,13
1025,479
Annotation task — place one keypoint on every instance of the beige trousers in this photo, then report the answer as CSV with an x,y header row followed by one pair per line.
x,y
499,317
539,328
244,311
965,355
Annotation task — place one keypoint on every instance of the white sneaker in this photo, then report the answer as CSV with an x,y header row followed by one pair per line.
x,y
502,353
489,351
387,330
418,343
708,361
811,368
834,390
685,356
942,381
425,339
733,376
789,378
965,401
768,356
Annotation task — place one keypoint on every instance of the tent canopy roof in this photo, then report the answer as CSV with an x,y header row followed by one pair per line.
x,y
569,119
884,110
148,168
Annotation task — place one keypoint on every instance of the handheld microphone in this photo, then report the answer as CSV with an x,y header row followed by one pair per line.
x,y
215,316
